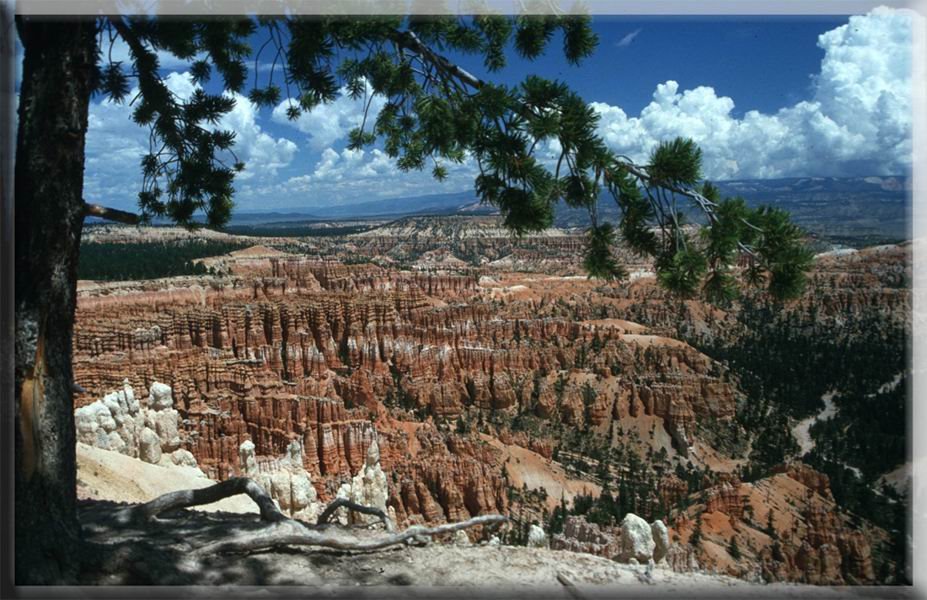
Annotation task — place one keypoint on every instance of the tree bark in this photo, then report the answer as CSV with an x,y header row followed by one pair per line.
x,y
49,213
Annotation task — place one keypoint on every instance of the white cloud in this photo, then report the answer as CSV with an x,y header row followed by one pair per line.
x,y
262,154
333,167
329,123
180,84
858,120
355,176
115,145
626,40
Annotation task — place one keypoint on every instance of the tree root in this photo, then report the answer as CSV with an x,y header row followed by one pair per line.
x,y
294,533
187,498
337,503
284,531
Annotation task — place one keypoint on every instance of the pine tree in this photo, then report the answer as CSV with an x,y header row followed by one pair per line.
x,y
695,539
777,552
733,549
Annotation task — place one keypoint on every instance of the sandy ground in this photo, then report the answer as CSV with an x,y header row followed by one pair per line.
x,y
107,475
164,552
626,326
535,471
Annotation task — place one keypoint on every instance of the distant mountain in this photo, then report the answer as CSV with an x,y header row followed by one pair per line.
x,y
432,204
257,218
853,210
888,187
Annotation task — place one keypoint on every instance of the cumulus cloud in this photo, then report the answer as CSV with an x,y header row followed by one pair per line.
x,y
329,123
115,144
858,120
356,176
261,153
114,147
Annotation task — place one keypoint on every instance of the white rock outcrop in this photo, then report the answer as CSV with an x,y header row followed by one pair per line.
x,y
536,537
461,538
661,540
369,487
287,480
149,446
148,431
636,539
632,542
184,458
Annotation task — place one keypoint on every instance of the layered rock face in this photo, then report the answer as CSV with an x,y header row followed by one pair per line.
x,y
581,536
330,355
634,540
810,539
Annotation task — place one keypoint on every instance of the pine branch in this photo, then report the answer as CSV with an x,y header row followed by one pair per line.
x,y
410,41
111,214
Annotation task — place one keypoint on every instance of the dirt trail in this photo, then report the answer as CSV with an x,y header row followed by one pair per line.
x,y
802,431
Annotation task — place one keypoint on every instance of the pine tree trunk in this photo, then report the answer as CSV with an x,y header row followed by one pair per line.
x,y
49,173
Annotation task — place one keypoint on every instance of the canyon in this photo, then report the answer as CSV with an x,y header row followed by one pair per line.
x,y
488,374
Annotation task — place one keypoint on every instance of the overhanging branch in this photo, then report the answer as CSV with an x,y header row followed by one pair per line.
x,y
111,214
410,41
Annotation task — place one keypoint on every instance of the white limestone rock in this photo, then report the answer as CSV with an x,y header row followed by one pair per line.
x,y
280,489
660,539
369,487
247,459
183,458
115,443
117,411
149,446
86,423
129,431
160,396
294,456
461,538
536,537
636,539
116,422
289,484
302,492
132,405
164,422
342,515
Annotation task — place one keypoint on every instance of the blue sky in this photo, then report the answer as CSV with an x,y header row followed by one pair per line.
x,y
764,97
636,53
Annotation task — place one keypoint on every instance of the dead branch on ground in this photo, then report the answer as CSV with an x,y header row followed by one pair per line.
x,y
285,531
